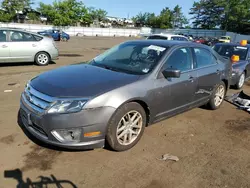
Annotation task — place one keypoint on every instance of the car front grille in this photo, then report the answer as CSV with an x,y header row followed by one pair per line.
x,y
37,100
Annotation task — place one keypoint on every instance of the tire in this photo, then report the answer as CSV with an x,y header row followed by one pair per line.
x,y
241,81
42,59
118,121
213,104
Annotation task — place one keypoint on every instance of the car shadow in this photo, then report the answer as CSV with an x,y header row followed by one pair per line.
x,y
70,55
43,144
20,64
44,181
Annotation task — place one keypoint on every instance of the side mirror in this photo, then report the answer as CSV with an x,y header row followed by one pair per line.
x,y
171,73
235,58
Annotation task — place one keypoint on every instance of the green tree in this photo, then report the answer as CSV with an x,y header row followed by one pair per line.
x,y
97,14
231,15
166,17
178,19
11,7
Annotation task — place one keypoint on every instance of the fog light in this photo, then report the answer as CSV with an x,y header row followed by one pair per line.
x,y
67,135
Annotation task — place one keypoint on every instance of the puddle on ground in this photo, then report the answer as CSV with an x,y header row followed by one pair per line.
x,y
8,139
239,125
40,158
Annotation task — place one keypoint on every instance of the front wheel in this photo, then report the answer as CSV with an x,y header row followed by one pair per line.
x,y
126,127
241,81
42,59
218,96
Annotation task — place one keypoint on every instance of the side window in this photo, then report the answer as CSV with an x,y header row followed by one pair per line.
x,y
18,36
180,59
157,37
204,57
174,38
3,36
37,38
183,39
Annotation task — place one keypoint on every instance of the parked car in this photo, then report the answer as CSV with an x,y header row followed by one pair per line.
x,y
56,34
23,46
225,39
241,68
168,37
120,92
200,40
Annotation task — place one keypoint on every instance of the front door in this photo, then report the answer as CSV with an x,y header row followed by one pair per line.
x,y
209,71
23,46
4,46
176,94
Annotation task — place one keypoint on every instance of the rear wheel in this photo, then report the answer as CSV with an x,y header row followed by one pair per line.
x,y
241,81
126,127
218,96
42,59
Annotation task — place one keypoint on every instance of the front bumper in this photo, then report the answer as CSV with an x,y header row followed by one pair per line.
x,y
90,120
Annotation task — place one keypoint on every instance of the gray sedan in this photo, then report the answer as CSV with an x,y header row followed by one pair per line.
x,y
22,46
120,92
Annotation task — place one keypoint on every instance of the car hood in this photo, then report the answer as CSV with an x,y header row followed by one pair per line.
x,y
80,80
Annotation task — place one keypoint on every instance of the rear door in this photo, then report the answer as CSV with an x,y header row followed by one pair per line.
x,y
23,46
4,46
209,71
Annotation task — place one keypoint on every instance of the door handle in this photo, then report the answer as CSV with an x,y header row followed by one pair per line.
x,y
34,45
4,46
191,78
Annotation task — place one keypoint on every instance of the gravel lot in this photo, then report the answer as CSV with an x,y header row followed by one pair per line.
x,y
213,146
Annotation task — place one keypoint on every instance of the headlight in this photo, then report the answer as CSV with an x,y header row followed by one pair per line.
x,y
64,106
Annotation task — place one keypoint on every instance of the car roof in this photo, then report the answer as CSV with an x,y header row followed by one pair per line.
x,y
167,35
165,43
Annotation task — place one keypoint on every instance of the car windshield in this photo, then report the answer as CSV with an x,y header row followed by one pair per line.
x,y
229,51
132,58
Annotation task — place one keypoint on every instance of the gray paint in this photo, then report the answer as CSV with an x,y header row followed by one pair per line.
x,y
106,91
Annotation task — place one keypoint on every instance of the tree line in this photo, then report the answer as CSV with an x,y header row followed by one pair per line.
x,y
59,13
230,15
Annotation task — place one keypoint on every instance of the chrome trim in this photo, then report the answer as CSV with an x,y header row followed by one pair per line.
x,y
39,94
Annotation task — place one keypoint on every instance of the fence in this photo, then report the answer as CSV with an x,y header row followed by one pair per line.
x,y
144,31
237,37
73,31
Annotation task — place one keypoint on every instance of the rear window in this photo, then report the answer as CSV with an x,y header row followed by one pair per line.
x,y
229,51
37,38
158,37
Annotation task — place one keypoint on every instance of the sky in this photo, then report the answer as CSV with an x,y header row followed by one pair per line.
x,y
130,8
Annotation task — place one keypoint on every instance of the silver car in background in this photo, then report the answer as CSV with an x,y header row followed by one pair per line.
x,y
17,45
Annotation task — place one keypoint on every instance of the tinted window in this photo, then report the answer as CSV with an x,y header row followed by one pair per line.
x,y
133,58
229,50
3,36
174,38
157,37
204,57
180,59
37,38
18,36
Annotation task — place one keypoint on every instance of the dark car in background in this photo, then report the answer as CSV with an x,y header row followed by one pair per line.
x,y
120,92
56,34
241,68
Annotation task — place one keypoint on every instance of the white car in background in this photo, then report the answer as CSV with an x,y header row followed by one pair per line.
x,y
17,45
168,37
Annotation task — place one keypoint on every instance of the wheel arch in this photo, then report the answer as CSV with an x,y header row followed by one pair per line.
x,y
41,52
144,105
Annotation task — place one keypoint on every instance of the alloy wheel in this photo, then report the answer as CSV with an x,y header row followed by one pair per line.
x,y
129,127
219,95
